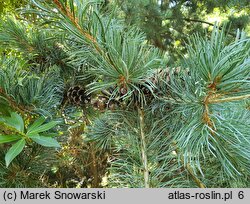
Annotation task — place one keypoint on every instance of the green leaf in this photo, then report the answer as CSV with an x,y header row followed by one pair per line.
x,y
45,141
14,151
8,138
50,134
15,121
36,124
43,128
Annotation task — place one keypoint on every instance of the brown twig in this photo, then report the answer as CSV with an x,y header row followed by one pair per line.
x,y
199,21
206,118
189,169
12,103
229,99
94,167
75,21
143,148
66,11
196,180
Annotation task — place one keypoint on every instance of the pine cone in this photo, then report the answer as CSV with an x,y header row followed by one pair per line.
x,y
113,105
144,89
77,95
123,90
100,103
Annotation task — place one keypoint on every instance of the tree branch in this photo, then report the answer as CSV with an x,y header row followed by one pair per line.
x,y
12,103
196,180
199,21
143,148
223,100
66,11
94,167
189,169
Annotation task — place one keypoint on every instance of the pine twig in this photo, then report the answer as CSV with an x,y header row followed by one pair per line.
x,y
94,167
199,21
229,99
12,103
206,118
190,171
213,98
196,180
143,148
74,20
85,33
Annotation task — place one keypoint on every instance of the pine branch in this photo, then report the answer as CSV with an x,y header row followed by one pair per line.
x,y
94,168
66,11
229,99
143,148
196,180
198,21
13,104
201,21
190,171
206,119
14,34
213,98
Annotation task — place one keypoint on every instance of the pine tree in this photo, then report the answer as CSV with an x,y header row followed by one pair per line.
x,y
128,118
168,24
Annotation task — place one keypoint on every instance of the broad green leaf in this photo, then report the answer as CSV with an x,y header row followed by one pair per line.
x,y
14,151
43,128
15,121
9,138
36,124
45,141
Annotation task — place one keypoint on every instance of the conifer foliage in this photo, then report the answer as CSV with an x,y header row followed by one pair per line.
x,y
121,116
